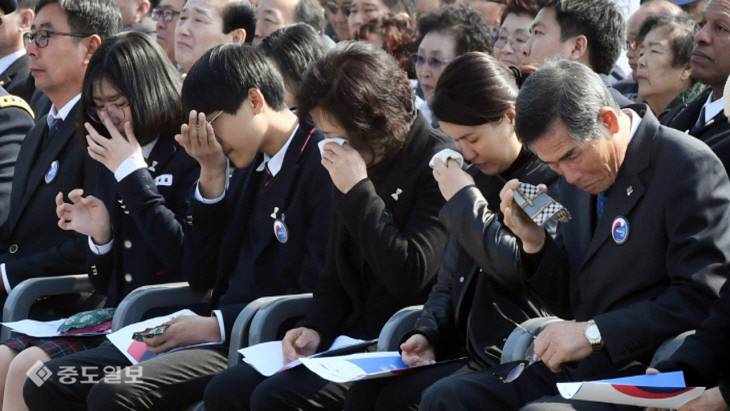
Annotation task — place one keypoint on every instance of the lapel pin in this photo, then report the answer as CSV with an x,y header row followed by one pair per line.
x,y
152,167
397,194
629,190
52,172
620,230
275,213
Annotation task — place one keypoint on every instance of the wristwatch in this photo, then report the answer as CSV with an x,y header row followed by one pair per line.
x,y
593,335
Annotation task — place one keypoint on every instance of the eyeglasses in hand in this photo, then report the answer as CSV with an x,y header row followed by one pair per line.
x,y
530,356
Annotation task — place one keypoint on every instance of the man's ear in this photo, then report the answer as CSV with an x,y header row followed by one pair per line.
x,y
93,43
609,119
143,8
26,19
239,36
580,49
256,100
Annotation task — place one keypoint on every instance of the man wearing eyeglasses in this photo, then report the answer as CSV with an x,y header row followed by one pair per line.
x,y
15,19
135,16
166,15
64,35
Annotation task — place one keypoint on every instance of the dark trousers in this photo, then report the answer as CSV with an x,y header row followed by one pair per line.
x,y
483,390
243,388
402,392
167,382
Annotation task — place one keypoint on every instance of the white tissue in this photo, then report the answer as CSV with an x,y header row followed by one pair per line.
x,y
335,140
446,154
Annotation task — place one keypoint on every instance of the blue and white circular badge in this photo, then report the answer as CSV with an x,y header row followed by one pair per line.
x,y
620,230
52,172
281,232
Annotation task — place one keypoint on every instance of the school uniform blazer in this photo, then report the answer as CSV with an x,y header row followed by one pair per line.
x,y
14,125
16,79
715,133
479,245
675,195
302,190
147,210
31,243
385,245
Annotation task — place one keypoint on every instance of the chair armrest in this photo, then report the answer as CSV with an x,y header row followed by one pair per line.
x,y
669,347
270,317
515,348
24,295
143,299
239,333
397,326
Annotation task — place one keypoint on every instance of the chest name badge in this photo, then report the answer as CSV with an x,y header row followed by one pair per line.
x,y
281,231
52,172
620,230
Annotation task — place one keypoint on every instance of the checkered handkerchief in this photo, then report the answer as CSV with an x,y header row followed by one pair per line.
x,y
539,205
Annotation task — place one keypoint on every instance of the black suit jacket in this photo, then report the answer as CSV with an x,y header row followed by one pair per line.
x,y
715,133
217,232
147,210
385,245
17,79
480,257
14,125
32,244
675,195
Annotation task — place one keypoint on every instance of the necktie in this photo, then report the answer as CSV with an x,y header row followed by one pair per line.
x,y
53,126
268,176
699,124
600,206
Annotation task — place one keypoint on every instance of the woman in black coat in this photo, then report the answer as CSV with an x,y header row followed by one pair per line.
x,y
474,101
385,239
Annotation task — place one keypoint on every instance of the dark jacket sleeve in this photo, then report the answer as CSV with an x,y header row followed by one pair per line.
x,y
404,259
547,275
14,125
695,225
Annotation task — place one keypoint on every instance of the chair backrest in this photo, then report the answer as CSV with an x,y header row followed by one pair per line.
x,y
269,319
397,326
668,347
515,348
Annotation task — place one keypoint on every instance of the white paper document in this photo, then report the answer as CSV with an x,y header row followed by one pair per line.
x,y
268,358
136,351
45,329
355,367
664,390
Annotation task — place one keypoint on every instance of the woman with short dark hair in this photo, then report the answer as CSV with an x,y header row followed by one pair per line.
x,y
385,239
664,68
130,112
475,103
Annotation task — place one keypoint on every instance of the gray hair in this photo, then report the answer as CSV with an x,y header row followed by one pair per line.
x,y
310,12
565,90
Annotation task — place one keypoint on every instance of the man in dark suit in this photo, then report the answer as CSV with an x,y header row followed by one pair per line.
x,y
704,116
16,119
51,159
642,259
263,233
14,62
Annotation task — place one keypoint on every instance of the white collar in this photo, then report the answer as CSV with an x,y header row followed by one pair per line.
x,y
147,148
7,61
635,122
63,112
277,160
713,108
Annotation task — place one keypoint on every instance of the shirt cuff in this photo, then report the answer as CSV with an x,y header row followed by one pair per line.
x,y
129,166
199,196
6,282
100,249
219,315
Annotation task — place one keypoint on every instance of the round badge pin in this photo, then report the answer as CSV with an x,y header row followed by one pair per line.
x,y
620,230
281,232
52,172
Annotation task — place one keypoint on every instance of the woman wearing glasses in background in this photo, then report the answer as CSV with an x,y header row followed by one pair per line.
x,y
514,31
478,298
445,34
143,182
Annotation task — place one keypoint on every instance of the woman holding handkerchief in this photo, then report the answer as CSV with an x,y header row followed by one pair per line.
x,y
385,238
477,298
133,219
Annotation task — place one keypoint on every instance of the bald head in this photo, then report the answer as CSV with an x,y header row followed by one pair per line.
x,y
648,9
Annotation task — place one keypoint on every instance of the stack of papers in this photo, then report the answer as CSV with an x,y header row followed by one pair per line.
x,y
355,367
49,329
663,390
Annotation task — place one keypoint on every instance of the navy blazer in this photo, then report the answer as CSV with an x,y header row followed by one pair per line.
x,y
16,79
31,243
14,125
303,191
675,195
147,210
386,242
